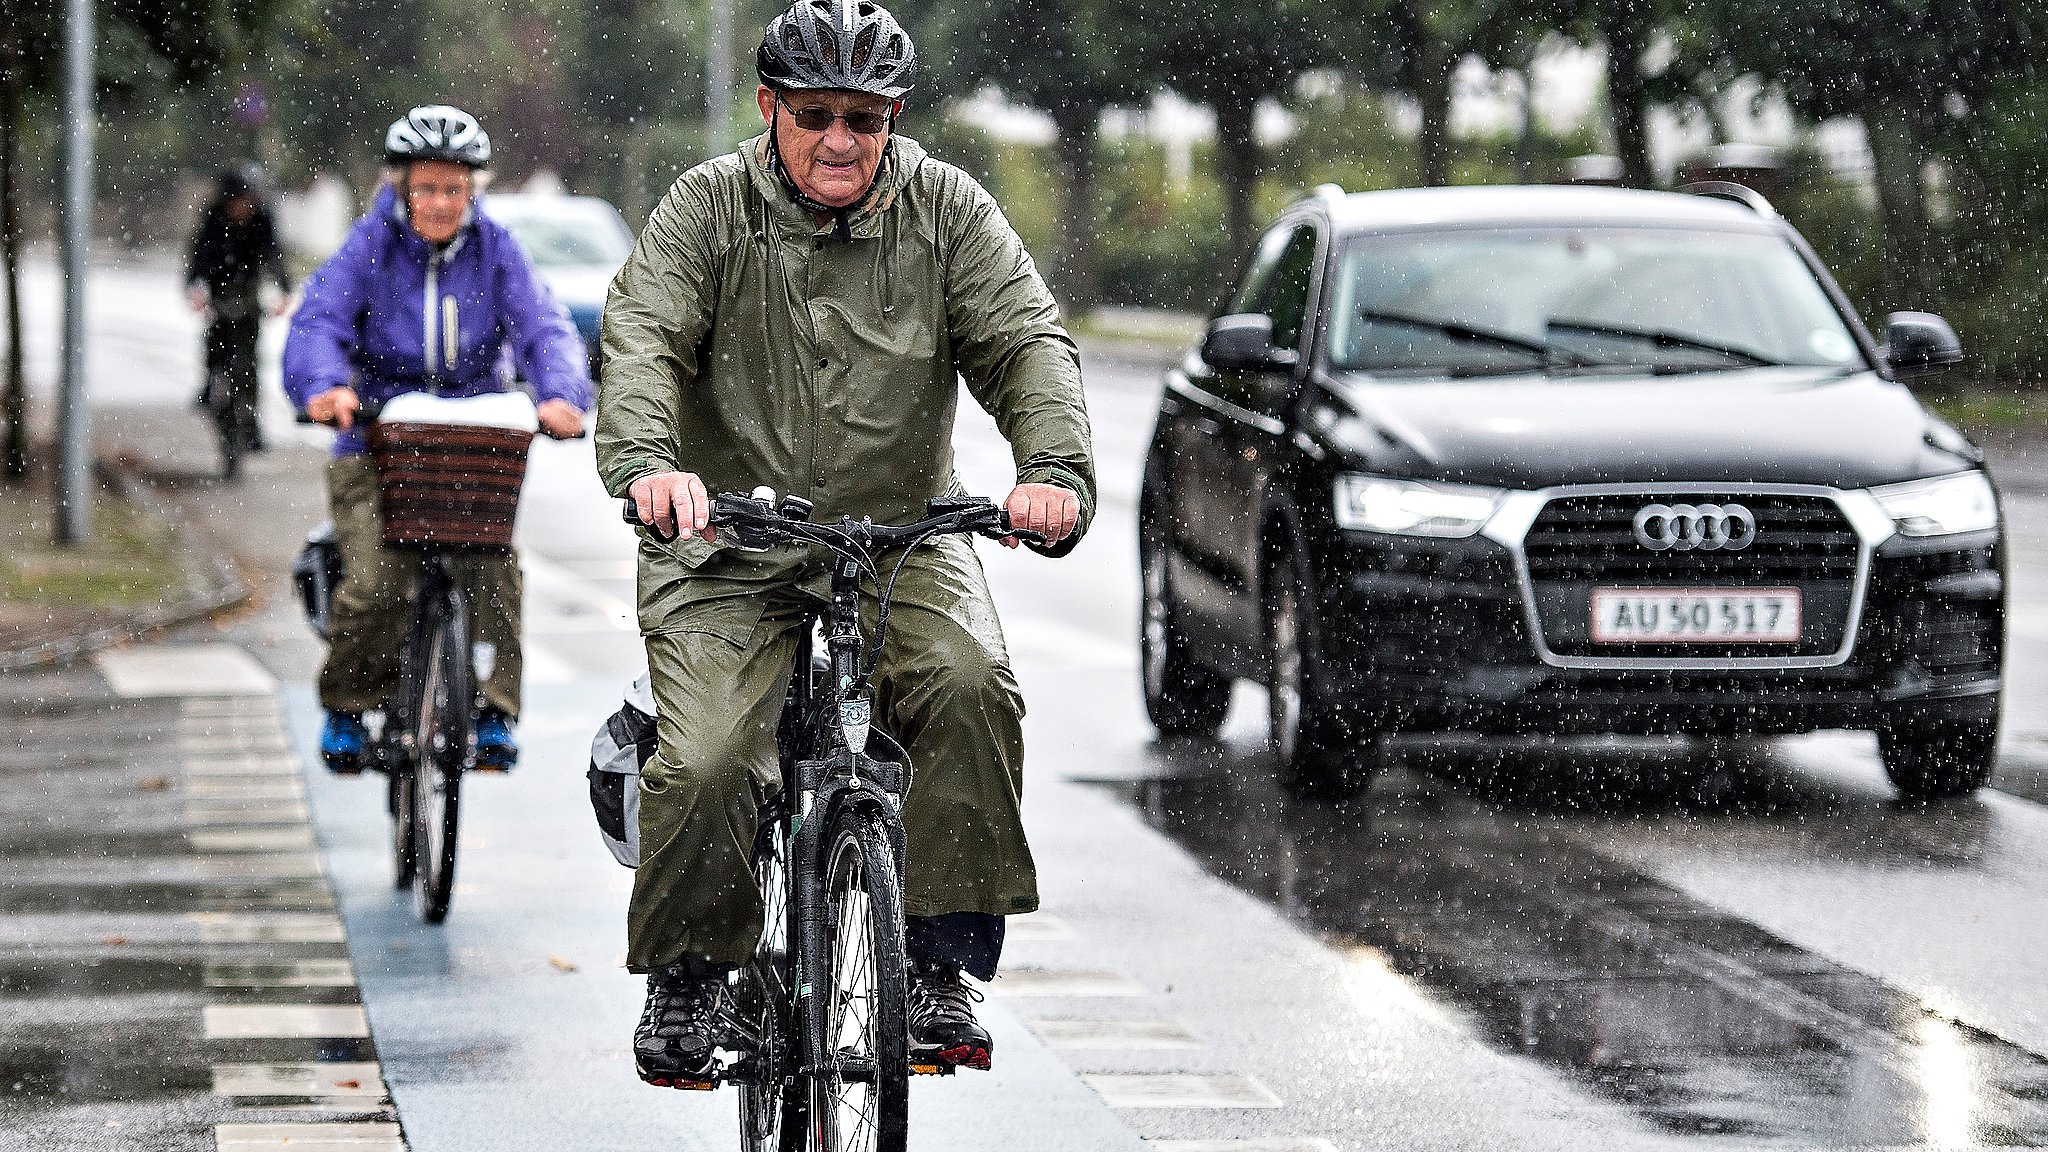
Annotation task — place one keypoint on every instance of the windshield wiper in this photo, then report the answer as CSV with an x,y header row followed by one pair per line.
x,y
1665,339
1465,332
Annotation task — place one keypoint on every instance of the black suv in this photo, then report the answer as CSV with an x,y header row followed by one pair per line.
x,y
1566,461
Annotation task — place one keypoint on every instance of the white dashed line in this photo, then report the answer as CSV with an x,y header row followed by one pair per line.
x,y
1179,1090
285,1021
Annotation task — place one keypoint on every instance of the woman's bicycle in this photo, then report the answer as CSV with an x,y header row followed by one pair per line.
x,y
818,1019
449,486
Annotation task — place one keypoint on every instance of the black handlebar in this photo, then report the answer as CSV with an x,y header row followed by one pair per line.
x,y
759,523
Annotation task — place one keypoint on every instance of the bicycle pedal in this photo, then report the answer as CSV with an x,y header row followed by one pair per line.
x,y
685,1085
924,1069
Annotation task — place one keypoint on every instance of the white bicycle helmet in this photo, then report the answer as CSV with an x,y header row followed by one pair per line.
x,y
438,132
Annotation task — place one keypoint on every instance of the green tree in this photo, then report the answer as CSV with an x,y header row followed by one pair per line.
x,y
146,47
1230,57
1060,56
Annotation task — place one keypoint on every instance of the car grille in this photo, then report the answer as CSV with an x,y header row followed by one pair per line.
x,y
1582,542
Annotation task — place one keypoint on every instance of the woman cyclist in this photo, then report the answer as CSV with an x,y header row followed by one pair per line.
x,y
366,330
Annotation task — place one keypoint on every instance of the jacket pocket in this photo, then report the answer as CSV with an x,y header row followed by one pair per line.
x,y
731,619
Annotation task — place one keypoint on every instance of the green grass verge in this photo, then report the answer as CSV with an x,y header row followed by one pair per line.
x,y
131,562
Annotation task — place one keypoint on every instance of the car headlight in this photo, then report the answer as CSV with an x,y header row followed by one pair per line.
x,y
1409,508
1944,507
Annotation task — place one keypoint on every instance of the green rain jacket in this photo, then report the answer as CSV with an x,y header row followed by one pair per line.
x,y
746,344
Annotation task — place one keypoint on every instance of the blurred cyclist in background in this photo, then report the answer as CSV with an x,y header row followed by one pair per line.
x,y
425,295
234,248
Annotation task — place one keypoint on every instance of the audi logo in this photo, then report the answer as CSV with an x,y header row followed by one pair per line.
x,y
1690,527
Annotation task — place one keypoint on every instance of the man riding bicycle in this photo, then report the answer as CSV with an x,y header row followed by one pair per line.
x,y
798,314
423,296
233,251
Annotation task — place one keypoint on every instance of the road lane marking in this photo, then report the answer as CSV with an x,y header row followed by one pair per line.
x,y
271,927
327,972
285,1021
1178,1090
257,765
260,866
184,670
1059,982
315,1079
1250,1144
232,788
274,838
373,1136
1135,1034
215,812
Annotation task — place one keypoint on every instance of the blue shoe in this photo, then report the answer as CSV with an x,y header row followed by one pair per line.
x,y
342,740
497,750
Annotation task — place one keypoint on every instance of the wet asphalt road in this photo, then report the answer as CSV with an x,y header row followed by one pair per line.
x,y
1636,944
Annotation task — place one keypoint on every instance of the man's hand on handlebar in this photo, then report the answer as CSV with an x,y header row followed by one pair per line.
x,y
674,504
560,419
1047,509
336,407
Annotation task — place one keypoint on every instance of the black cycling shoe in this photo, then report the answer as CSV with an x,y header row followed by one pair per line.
x,y
941,1016
681,1027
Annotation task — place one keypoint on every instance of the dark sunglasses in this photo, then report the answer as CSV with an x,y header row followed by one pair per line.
x,y
815,119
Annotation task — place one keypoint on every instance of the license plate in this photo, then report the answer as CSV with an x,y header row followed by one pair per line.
x,y
1695,616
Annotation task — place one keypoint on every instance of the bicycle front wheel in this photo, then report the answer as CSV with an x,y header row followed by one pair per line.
x,y
861,1092
443,734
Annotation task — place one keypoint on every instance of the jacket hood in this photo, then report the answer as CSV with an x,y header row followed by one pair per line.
x,y
1774,425
899,166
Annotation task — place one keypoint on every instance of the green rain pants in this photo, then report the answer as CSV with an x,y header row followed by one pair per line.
x,y
373,605
719,665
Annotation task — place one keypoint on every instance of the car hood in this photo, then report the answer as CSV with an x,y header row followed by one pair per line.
x,y
581,286
1775,425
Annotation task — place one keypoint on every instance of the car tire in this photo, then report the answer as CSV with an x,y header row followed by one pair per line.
x,y
1322,754
1182,698
1932,758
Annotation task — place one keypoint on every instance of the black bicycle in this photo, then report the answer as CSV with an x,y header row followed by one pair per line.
x,y
424,740
230,393
818,1021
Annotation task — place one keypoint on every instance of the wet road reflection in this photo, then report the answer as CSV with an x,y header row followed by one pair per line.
x,y
1462,870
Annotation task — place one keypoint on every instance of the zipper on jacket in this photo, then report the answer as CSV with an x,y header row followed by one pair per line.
x,y
451,329
428,309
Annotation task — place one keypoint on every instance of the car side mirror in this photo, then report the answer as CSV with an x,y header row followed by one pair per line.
x,y
1920,344
1244,343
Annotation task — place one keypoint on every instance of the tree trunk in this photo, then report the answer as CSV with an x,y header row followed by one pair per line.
x,y
1627,96
1075,280
1431,87
14,393
1900,159
1237,161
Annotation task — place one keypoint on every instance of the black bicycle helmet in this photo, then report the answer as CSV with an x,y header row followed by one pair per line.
x,y
438,132
845,45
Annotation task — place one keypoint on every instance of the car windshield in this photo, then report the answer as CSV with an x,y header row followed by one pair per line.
x,y
567,234
1591,300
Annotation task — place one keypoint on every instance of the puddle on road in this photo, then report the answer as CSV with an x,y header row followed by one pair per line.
x,y
1703,1023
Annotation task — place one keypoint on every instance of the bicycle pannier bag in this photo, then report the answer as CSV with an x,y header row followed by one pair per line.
x,y
449,471
622,746
316,572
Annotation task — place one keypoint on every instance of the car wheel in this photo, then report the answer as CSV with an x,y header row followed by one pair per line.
x,y
1937,759
1182,698
1321,756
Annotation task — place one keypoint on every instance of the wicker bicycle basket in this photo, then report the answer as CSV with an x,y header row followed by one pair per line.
x,y
449,485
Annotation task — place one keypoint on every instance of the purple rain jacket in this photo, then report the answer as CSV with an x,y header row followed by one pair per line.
x,y
365,320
